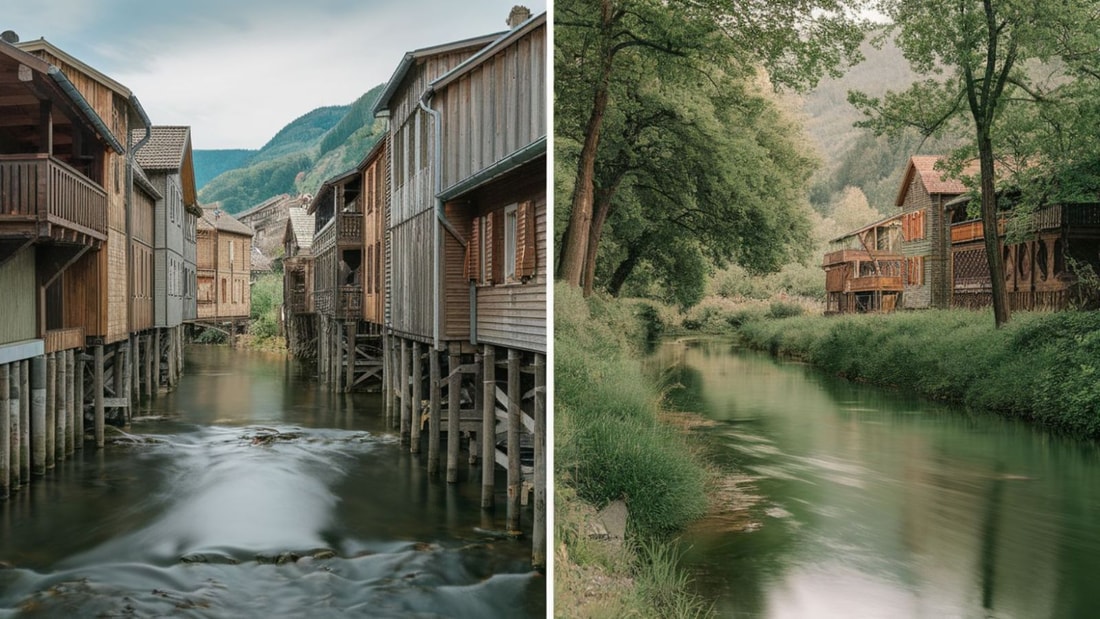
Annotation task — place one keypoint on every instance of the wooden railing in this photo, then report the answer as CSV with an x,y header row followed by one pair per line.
x,y
875,282
325,238
39,187
322,301
299,302
852,255
351,301
64,339
351,227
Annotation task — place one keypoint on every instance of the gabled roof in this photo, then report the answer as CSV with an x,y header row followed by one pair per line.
x,y
41,44
893,219
410,59
165,149
301,224
323,190
488,51
215,218
934,181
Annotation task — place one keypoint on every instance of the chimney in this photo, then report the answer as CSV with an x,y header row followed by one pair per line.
x,y
9,36
518,15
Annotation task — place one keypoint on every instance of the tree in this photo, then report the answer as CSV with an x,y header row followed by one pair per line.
x,y
985,49
600,46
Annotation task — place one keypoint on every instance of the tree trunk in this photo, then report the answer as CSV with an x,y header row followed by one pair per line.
x,y
575,242
989,232
626,267
602,209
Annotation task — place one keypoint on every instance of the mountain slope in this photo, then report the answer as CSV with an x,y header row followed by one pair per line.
x,y
313,147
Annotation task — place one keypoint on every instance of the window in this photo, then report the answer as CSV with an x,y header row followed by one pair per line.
x,y
510,228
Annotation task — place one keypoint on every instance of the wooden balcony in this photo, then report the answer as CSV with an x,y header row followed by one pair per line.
x,y
875,283
64,339
43,197
350,227
857,255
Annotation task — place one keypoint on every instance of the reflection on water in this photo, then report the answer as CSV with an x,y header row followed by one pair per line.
x,y
250,492
871,504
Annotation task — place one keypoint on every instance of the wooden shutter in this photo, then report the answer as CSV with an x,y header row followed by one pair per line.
x,y
490,248
526,240
473,250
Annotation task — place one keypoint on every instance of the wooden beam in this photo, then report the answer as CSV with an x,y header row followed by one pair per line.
x,y
435,416
515,475
417,397
454,388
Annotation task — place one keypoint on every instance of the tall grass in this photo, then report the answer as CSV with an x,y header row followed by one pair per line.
x,y
1041,366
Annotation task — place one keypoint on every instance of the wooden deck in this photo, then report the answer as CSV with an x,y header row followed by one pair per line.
x,y
43,196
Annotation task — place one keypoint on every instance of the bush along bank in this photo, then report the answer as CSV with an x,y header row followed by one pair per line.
x,y
1041,367
609,446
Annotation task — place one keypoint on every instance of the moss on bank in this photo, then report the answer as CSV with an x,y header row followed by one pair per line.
x,y
1043,367
610,445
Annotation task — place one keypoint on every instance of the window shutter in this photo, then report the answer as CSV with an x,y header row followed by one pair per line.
x,y
526,240
473,250
490,248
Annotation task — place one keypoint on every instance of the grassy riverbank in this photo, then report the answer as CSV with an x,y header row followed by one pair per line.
x,y
611,446
1041,367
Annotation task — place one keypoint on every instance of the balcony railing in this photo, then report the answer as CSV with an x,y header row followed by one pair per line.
x,y
40,190
351,302
351,227
299,302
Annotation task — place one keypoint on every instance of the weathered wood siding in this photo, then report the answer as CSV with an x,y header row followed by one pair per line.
x,y
917,247
189,297
456,288
142,273
224,263
411,292
514,314
496,109
375,192
18,283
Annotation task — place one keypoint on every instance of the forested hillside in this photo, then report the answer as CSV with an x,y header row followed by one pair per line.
x,y
313,147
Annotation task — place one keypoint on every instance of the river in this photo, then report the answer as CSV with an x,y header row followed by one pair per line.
x,y
252,491
856,501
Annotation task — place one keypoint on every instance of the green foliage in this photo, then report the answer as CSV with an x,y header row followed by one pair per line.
x,y
784,309
609,441
210,336
1040,367
267,297
240,189
303,133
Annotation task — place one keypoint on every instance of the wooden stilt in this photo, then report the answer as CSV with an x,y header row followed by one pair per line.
x,y
155,385
454,416
351,332
51,410
25,421
39,379
5,432
406,406
62,414
538,535
434,413
473,448
488,426
79,429
14,410
387,372
97,391
150,381
132,370
515,473
129,376
416,398
70,401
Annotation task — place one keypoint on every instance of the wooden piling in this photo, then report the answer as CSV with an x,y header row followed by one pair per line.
x,y
129,376
51,409
416,398
70,403
150,382
131,370
387,373
79,429
454,416
406,406
39,377
25,421
538,535
434,412
14,412
5,432
472,448
155,388
61,410
515,473
97,392
351,332
488,425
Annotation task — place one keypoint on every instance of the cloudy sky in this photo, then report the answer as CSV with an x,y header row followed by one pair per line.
x,y
237,71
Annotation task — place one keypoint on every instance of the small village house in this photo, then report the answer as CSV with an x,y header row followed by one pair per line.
x,y
224,249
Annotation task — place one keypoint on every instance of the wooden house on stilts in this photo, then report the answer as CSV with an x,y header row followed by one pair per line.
x,y
863,269
466,258
299,318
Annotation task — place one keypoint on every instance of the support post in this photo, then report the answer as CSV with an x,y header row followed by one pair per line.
x,y
387,377
538,535
70,401
125,368
488,425
434,414
97,392
416,398
14,409
79,429
454,416
475,405
155,387
61,390
51,410
25,421
38,415
5,432
351,334
150,383
406,406
515,473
